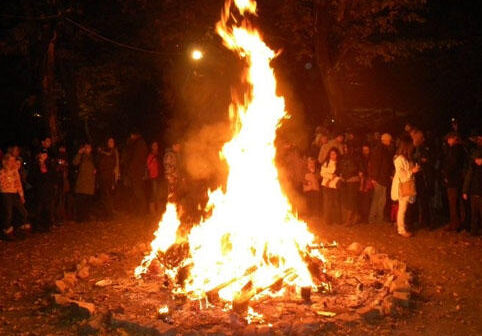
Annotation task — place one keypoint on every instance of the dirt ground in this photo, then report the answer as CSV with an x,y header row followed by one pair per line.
x,y
447,267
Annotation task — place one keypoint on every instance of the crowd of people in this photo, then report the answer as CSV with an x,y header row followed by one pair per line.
x,y
415,180
411,180
50,186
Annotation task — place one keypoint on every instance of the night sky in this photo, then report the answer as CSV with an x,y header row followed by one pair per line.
x,y
155,87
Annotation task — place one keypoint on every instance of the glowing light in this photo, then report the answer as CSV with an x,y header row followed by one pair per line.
x,y
163,310
197,55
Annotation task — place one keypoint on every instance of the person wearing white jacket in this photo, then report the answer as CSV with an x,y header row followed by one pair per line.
x,y
330,188
404,170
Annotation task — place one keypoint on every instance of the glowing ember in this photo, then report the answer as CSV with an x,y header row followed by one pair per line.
x,y
163,310
252,241
253,316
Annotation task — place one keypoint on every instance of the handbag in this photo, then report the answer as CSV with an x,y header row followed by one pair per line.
x,y
408,188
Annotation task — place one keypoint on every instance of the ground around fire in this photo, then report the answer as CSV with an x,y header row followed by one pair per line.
x,y
447,269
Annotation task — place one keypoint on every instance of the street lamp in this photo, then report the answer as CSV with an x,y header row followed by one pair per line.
x,y
196,54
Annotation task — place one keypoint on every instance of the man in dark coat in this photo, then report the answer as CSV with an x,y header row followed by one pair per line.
x,y
380,170
108,161
453,173
135,169
424,180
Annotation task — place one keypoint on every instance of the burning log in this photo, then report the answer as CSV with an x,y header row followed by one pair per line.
x,y
213,294
306,294
174,256
241,300
322,246
183,274
316,269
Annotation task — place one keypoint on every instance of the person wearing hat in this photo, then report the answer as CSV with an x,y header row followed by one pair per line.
x,y
380,170
453,174
473,190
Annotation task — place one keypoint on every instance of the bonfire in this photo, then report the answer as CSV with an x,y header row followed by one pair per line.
x,y
252,245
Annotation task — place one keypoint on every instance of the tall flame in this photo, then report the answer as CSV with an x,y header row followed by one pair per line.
x,y
252,234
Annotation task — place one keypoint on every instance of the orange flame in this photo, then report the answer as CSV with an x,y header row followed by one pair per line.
x,y
166,235
252,234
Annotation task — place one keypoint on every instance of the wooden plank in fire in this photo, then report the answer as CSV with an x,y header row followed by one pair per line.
x,y
322,246
213,294
241,300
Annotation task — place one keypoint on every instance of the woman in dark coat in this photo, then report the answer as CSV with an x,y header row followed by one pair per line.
x,y
43,179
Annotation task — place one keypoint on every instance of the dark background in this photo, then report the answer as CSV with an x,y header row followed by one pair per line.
x,y
102,88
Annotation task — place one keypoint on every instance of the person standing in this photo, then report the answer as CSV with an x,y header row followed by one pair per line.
x,y
62,201
43,179
12,196
366,186
330,184
424,180
472,191
85,183
135,166
350,173
453,172
380,170
154,173
108,160
403,184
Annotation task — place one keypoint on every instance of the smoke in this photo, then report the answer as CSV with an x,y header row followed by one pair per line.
x,y
201,152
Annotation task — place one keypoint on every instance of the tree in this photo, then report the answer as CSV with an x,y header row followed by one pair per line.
x,y
341,35
31,36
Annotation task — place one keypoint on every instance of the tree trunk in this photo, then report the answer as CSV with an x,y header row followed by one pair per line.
x,y
324,58
334,94
48,87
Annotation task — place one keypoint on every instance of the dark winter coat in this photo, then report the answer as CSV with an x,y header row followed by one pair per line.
x,y
107,166
135,160
43,184
453,166
473,181
349,167
380,168
425,179
85,183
